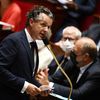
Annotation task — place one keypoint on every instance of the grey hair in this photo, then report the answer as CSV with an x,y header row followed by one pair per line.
x,y
74,30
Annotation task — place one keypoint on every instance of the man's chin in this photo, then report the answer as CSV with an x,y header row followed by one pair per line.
x,y
42,37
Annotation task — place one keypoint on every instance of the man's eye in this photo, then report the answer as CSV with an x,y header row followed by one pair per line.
x,y
43,25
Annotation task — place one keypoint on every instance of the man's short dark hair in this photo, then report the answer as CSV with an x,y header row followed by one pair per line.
x,y
35,12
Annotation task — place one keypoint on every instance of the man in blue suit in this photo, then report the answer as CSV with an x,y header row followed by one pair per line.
x,y
18,63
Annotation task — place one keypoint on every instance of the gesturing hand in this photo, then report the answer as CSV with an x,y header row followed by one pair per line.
x,y
72,5
42,77
33,90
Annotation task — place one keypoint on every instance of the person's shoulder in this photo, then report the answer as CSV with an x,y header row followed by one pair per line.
x,y
97,61
95,66
15,36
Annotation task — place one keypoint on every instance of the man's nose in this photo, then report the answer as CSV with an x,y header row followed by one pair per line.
x,y
46,29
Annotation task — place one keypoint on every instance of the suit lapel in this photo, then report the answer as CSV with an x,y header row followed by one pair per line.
x,y
28,50
84,75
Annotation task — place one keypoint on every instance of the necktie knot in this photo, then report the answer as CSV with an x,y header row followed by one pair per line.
x,y
33,44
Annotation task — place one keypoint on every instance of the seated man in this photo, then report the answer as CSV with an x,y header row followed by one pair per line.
x,y
69,35
86,85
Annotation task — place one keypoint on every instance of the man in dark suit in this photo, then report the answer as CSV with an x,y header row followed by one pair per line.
x,y
18,63
69,35
86,83
76,11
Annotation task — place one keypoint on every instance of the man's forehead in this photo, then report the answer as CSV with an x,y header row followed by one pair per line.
x,y
69,35
78,44
77,48
44,18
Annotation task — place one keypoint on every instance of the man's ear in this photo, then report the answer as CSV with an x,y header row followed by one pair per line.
x,y
86,56
31,21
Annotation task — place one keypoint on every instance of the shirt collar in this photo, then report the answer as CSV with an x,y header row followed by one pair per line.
x,y
98,46
82,69
29,38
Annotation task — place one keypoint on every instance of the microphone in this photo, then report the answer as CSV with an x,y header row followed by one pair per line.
x,y
46,42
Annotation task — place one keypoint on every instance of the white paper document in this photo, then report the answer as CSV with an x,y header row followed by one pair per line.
x,y
6,24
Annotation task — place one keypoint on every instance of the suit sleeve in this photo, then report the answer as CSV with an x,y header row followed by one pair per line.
x,y
88,87
8,52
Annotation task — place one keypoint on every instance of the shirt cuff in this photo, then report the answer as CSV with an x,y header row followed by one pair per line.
x,y
51,84
24,87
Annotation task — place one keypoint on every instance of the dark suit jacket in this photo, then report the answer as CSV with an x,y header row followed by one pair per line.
x,y
16,66
87,88
53,65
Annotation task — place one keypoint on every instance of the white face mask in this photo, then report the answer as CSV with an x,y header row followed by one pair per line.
x,y
67,45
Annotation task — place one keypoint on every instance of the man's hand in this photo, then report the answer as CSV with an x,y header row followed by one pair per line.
x,y
42,76
72,5
33,90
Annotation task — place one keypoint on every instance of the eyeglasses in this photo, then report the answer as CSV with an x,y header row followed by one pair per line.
x,y
66,38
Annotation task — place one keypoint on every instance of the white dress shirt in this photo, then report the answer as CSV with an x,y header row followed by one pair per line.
x,y
29,38
82,70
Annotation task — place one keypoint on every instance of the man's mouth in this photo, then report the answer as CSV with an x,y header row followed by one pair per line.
x,y
43,35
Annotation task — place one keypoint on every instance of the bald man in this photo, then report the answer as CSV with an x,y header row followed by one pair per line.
x,y
86,86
